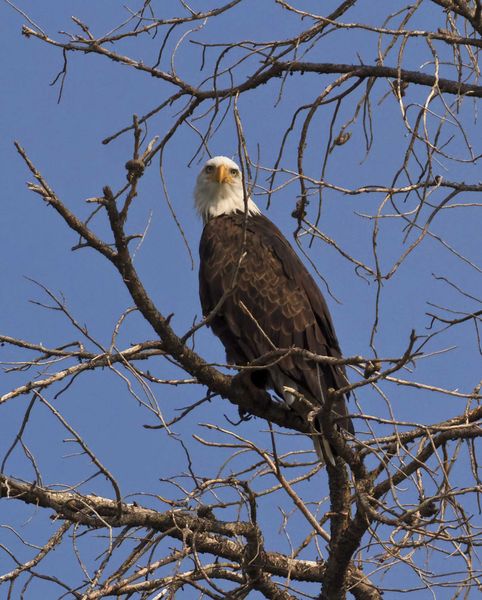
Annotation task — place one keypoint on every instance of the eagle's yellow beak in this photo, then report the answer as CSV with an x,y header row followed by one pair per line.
x,y
222,175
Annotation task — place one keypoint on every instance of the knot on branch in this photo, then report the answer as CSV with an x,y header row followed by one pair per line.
x,y
135,168
428,508
371,368
205,512
254,555
299,212
342,138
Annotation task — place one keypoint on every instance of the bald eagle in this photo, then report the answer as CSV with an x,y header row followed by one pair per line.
x,y
264,296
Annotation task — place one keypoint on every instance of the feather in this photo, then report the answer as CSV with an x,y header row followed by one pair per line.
x,y
273,302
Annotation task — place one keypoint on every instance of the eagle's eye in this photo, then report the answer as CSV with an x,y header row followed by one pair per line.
x,y
209,169
234,172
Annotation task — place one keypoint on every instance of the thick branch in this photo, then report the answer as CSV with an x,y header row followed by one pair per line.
x,y
208,535
278,69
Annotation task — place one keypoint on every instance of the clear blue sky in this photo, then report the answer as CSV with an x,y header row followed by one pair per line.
x,y
64,141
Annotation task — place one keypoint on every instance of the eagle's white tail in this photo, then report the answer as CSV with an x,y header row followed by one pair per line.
x,y
323,449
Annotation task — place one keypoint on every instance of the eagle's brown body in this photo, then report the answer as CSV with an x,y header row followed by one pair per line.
x,y
273,302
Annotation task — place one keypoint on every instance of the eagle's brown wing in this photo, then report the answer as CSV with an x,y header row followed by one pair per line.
x,y
272,302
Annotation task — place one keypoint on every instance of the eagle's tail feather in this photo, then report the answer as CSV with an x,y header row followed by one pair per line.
x,y
323,449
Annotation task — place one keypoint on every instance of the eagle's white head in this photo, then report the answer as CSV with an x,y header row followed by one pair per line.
x,y
219,189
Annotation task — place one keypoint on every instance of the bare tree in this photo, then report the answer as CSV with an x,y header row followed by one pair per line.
x,y
398,513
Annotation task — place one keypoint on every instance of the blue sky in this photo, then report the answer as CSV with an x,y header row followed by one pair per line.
x,y
64,141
